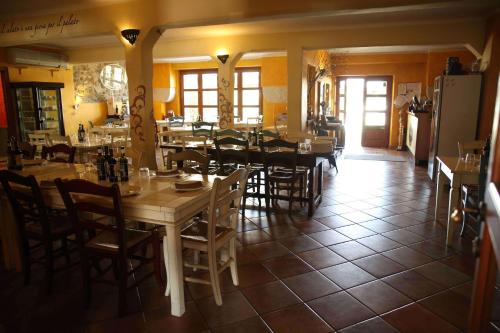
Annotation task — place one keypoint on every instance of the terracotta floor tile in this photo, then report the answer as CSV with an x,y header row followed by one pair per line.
x,y
415,319
234,308
250,325
433,249
298,319
263,251
379,297
403,236
428,230
351,250
160,320
282,231
335,221
133,323
311,285
463,263
340,209
198,290
300,243
401,220
265,221
340,310
442,274
357,216
253,274
378,265
360,205
270,296
407,257
308,227
347,275
253,237
452,306
379,243
355,231
379,225
286,266
399,209
379,212
322,212
466,290
321,258
329,237
413,284
374,325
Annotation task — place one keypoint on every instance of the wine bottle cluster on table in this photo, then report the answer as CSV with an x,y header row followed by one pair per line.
x,y
109,168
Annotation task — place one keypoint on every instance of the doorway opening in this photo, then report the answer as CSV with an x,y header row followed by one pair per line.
x,y
364,104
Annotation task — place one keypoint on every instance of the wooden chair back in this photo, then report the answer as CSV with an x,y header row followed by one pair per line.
x,y
273,156
29,151
231,153
202,140
225,201
186,160
83,198
59,153
119,138
266,135
229,133
39,140
202,128
176,121
26,201
473,147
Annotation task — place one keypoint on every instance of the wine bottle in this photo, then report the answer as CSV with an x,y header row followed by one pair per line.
x,y
112,167
81,133
123,166
11,159
105,161
18,156
101,168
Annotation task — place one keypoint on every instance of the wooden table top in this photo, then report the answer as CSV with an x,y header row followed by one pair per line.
x,y
458,165
158,201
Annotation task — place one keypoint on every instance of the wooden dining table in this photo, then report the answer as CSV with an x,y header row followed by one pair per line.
x,y
157,203
312,160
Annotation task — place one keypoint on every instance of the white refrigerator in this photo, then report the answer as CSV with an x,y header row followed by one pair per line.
x,y
455,111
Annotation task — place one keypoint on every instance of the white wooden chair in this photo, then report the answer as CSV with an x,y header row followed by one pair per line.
x,y
281,124
119,138
216,237
470,147
54,139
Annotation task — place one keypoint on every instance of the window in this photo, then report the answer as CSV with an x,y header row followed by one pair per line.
x,y
199,94
247,93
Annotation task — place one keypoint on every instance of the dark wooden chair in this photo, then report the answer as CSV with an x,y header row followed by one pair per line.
x,y
59,153
229,132
112,239
29,151
280,171
232,154
189,161
203,128
37,226
268,134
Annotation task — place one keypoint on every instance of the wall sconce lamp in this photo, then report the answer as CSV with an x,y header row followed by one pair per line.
x,y
131,35
223,58
78,101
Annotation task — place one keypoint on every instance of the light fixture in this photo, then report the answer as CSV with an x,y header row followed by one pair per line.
x,y
223,58
131,35
78,101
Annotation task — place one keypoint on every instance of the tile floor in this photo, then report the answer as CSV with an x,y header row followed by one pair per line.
x,y
370,260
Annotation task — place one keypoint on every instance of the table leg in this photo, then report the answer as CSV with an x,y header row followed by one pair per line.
x,y
320,180
310,192
453,199
174,265
439,192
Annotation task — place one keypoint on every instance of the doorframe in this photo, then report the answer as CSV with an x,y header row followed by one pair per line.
x,y
388,113
12,126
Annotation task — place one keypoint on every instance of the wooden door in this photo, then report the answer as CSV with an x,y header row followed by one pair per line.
x,y
486,275
377,107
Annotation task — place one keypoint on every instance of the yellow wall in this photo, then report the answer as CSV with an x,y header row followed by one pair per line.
x,y
404,68
95,112
273,74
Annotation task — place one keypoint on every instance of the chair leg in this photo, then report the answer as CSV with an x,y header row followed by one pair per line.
x,y
122,288
258,189
157,262
244,203
292,189
233,265
26,263
196,259
49,266
214,277
268,210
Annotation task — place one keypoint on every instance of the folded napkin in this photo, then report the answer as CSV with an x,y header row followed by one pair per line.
x,y
168,172
188,184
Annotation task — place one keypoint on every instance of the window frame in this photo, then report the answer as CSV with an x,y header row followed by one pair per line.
x,y
200,89
239,71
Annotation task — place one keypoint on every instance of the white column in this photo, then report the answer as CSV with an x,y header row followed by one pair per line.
x,y
297,90
225,76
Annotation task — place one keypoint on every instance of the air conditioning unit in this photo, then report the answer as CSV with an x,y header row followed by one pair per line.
x,y
18,56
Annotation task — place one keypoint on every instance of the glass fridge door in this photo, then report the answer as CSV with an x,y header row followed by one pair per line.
x,y
49,110
27,111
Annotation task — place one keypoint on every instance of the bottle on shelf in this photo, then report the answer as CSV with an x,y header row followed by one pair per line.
x,y
112,167
101,167
15,155
123,165
81,133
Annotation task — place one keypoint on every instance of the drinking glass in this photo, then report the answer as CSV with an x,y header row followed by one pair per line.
x,y
469,158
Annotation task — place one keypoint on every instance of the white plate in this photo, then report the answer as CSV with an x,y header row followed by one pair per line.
x,y
131,191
